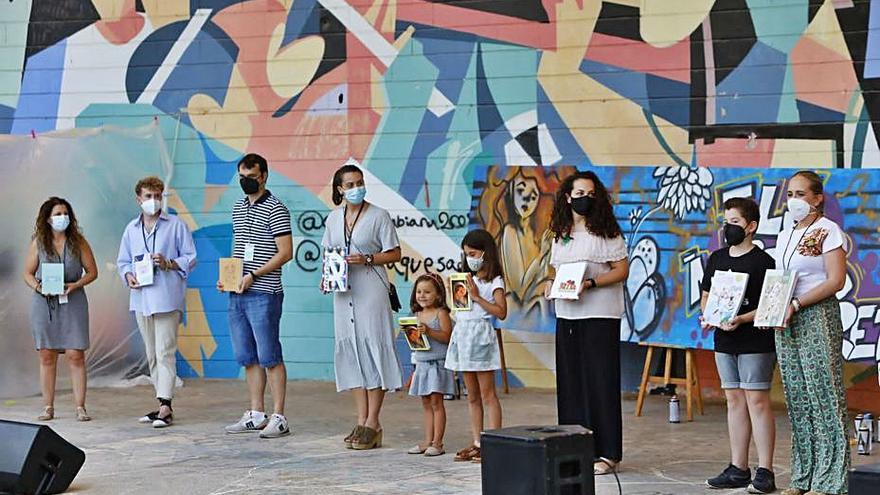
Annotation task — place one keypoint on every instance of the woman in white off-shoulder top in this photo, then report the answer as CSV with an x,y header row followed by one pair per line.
x,y
588,328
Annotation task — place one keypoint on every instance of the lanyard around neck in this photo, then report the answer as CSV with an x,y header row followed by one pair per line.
x,y
787,265
154,234
348,233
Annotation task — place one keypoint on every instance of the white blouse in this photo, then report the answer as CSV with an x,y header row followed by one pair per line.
x,y
598,252
802,250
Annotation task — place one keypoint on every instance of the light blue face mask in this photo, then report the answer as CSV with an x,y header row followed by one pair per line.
x,y
356,195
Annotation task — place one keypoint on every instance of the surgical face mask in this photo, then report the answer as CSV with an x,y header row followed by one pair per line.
x,y
249,185
474,263
355,195
798,208
583,205
734,234
59,222
151,206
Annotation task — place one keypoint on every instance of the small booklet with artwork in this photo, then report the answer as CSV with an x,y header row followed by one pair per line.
x,y
334,276
776,294
458,290
52,282
725,297
568,281
409,327
231,273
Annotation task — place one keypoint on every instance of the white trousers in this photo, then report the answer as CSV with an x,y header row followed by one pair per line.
x,y
159,332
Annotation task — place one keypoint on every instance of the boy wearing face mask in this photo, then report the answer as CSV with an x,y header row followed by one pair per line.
x,y
164,241
745,356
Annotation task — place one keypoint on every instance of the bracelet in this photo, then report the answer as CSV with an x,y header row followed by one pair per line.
x,y
796,303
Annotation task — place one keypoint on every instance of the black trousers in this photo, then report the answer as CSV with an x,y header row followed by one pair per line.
x,y
588,380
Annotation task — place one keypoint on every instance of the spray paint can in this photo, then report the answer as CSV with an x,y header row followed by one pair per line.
x,y
864,442
674,410
860,418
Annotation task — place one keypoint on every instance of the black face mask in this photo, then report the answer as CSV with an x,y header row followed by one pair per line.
x,y
583,205
249,185
734,234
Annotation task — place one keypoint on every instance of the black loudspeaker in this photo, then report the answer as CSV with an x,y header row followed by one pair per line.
x,y
864,480
538,460
35,460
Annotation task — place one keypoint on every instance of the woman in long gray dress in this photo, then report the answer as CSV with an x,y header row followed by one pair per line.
x,y
60,323
366,361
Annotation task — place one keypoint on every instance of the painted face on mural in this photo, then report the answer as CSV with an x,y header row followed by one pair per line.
x,y
525,196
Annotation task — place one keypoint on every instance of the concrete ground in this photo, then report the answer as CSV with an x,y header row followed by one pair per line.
x,y
195,456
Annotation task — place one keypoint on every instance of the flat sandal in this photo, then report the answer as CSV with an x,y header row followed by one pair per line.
x,y
48,414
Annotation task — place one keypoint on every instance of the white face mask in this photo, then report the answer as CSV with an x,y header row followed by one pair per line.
x,y
151,206
59,222
798,208
474,263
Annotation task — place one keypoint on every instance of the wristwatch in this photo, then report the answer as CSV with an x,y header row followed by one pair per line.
x,y
796,303
252,274
593,283
369,259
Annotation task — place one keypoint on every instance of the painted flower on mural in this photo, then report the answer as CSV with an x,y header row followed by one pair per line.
x,y
683,189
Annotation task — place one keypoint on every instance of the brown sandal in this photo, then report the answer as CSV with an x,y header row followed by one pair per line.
x,y
349,440
467,454
368,439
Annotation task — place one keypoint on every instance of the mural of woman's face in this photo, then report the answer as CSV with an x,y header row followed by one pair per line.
x,y
525,194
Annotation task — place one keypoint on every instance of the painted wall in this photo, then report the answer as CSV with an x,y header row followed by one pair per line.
x,y
430,93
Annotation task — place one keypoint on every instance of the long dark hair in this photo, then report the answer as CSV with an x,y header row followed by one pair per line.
x,y
337,181
438,286
483,241
600,221
43,230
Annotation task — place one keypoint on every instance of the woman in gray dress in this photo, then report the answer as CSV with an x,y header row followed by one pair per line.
x,y
60,323
366,360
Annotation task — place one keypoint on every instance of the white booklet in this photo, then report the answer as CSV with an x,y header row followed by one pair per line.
x,y
776,294
143,270
725,297
568,281
52,274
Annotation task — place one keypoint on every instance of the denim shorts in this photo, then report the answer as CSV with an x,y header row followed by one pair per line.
x,y
746,371
254,319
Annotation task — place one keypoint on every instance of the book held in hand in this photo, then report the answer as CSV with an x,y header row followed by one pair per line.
x,y
568,281
459,292
52,283
776,294
334,275
144,270
409,327
231,273
725,297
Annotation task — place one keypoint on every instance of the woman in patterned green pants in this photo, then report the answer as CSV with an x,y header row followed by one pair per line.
x,y
808,348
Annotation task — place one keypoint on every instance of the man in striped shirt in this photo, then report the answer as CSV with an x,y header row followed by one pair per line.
x,y
262,238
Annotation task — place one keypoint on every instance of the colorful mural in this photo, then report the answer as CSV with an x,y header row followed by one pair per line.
x,y
428,94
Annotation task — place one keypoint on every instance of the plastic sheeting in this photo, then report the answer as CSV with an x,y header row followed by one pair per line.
x,y
96,170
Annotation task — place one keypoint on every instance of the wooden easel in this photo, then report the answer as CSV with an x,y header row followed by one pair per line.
x,y
691,380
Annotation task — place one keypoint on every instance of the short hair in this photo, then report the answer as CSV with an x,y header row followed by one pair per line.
x,y
252,160
152,183
746,207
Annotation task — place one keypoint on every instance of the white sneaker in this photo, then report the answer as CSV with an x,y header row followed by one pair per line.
x,y
250,421
277,427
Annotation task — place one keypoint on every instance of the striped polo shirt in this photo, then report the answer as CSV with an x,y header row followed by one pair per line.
x,y
259,224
